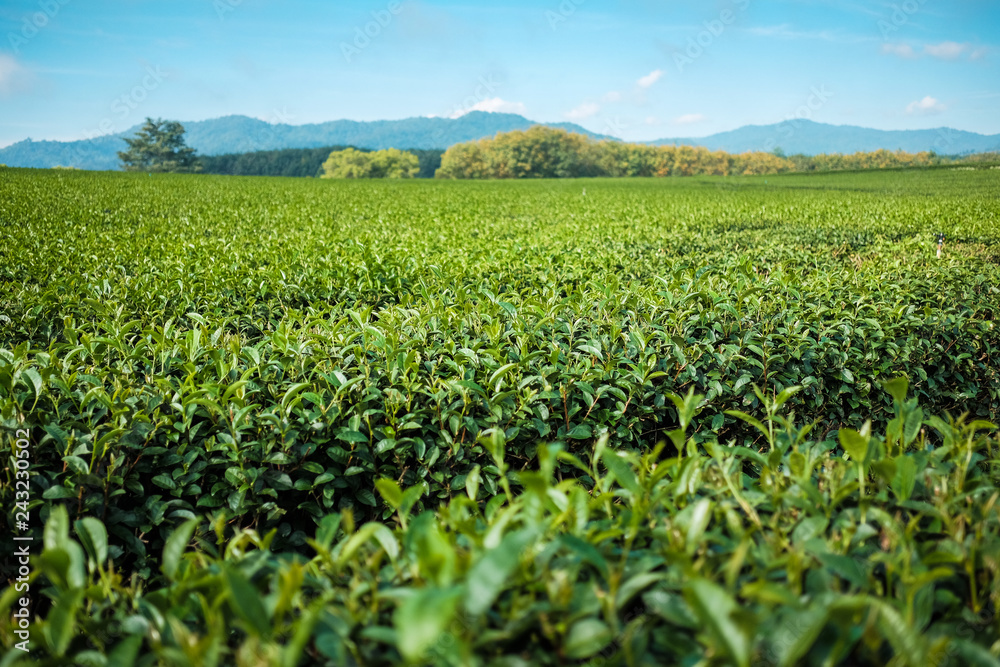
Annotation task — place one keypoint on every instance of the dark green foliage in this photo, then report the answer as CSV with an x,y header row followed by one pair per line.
x,y
266,354
158,147
430,161
300,162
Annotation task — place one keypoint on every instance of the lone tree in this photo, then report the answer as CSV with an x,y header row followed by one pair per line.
x,y
159,146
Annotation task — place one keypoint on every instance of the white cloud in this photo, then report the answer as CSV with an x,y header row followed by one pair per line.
x,y
652,120
650,79
585,110
901,50
11,73
613,96
493,105
689,119
786,31
946,50
926,106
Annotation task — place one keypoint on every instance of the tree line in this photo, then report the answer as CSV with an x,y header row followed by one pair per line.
x,y
544,152
302,162
539,152
159,146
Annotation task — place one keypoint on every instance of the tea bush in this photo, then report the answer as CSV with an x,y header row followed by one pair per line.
x,y
797,554
260,353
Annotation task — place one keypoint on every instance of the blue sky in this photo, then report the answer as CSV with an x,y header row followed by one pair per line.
x,y
637,69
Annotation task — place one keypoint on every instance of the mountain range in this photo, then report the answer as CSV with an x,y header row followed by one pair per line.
x,y
810,138
239,134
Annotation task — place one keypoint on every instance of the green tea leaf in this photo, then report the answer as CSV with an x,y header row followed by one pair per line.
x,y
586,638
176,544
492,573
701,514
753,421
56,531
897,388
125,652
35,379
61,624
911,427
797,634
246,602
421,618
390,492
716,610
906,477
854,444
472,483
94,538
905,639
622,470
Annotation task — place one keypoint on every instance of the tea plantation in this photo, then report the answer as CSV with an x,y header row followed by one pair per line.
x,y
701,421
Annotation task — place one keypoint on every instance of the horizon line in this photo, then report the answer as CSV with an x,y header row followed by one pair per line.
x,y
503,113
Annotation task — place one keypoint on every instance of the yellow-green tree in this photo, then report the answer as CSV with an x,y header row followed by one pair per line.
x,y
538,152
389,163
616,158
466,160
759,163
545,152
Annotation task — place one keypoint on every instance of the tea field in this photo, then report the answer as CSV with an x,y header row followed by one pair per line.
x,y
693,421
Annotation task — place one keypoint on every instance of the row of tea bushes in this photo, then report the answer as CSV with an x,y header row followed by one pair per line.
x,y
179,345
876,549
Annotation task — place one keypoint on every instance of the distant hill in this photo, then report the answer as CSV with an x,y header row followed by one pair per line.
x,y
810,138
240,134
